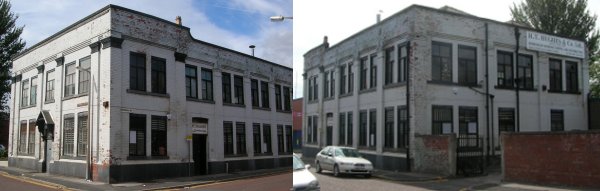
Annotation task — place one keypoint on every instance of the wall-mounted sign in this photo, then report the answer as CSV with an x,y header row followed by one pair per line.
x,y
199,128
553,44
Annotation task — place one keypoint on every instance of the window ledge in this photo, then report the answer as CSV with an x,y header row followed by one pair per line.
x,y
74,96
235,155
234,105
147,93
147,157
200,100
263,154
284,111
394,85
313,101
564,92
514,88
261,108
49,102
367,90
439,82
345,95
27,107
328,98
72,157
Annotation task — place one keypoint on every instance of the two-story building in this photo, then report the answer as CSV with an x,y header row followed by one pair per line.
x,y
440,71
128,96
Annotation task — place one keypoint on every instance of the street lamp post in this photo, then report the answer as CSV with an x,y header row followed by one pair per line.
x,y
279,18
88,174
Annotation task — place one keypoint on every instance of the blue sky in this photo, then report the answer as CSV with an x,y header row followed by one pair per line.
x,y
234,24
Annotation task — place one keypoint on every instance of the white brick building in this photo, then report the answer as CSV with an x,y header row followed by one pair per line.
x,y
454,66
163,104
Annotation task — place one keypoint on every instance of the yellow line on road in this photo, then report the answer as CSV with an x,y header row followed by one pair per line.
x,y
33,182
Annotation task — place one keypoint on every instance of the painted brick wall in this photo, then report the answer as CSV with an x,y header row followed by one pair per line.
x,y
565,158
435,154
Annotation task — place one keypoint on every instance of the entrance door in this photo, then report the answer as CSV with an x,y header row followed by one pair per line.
x,y
199,154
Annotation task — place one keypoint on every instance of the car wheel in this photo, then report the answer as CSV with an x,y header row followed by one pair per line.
x,y
336,171
319,169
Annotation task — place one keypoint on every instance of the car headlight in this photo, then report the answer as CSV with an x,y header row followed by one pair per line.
x,y
313,185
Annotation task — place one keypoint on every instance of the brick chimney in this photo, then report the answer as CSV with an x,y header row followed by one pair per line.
x,y
178,20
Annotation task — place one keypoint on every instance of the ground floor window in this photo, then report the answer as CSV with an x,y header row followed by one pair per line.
x,y
362,129
240,138
557,120
280,141
137,134
373,129
267,138
23,138
159,135
402,131
441,120
388,136
228,137
256,138
506,119
342,129
349,132
82,133
68,135
31,137
467,121
288,138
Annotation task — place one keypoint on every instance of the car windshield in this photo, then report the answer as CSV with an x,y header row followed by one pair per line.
x,y
298,164
347,152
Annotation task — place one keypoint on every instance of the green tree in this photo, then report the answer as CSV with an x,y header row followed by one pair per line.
x,y
567,18
10,44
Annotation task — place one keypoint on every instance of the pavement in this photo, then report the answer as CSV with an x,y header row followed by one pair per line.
x,y
70,183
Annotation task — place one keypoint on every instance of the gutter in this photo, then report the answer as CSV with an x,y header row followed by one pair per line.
x,y
487,92
407,130
517,80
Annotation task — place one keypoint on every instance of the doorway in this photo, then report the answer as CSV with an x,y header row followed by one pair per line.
x,y
199,154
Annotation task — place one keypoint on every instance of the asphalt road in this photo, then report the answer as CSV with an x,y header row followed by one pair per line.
x,y
266,183
9,182
357,182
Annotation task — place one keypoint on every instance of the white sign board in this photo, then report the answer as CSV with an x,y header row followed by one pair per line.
x,y
199,128
330,121
553,44
472,127
132,137
446,128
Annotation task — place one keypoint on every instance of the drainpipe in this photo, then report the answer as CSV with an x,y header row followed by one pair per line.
x,y
487,93
517,80
97,109
407,130
492,122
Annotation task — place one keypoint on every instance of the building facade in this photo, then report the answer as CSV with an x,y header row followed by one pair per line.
x,y
297,122
440,71
141,99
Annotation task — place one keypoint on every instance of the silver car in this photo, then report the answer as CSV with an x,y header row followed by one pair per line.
x,y
303,179
343,160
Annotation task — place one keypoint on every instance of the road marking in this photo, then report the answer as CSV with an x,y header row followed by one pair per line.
x,y
60,187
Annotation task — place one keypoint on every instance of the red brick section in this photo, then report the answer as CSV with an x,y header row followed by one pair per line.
x,y
565,158
297,112
436,143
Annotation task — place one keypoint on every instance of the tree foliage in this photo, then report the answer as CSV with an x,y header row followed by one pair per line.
x,y
567,18
10,44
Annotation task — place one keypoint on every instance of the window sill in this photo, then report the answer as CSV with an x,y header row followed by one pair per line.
x,y
395,150
284,111
72,157
235,156
345,95
394,85
49,102
27,107
513,88
261,108
200,100
74,96
147,93
564,92
234,105
367,91
313,101
328,99
263,154
147,157
438,82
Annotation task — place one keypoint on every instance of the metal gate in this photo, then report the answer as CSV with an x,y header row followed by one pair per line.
x,y
469,155
594,113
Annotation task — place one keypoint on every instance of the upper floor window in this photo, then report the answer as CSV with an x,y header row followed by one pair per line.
x,y
287,99
84,74
326,85
33,91
363,72
467,65
389,65
342,79
402,62
332,83
373,79
49,86
572,77
350,78
315,88
207,84
264,89
159,75
555,75
441,61
525,71
278,104
137,71
505,69
25,93
238,90
254,92
226,81
70,79
191,81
